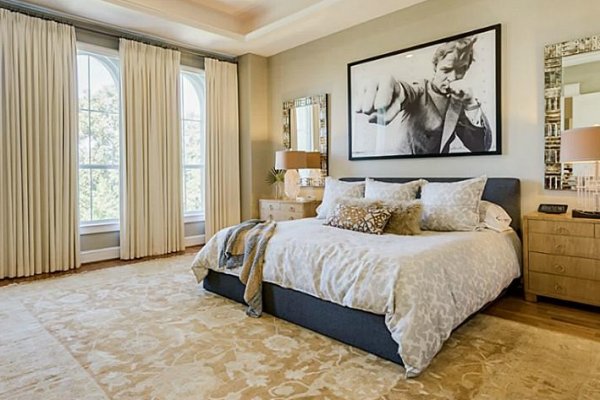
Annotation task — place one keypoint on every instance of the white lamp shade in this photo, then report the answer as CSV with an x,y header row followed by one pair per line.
x,y
290,159
580,145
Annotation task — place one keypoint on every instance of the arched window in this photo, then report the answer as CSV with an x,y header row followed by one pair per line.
x,y
192,128
99,136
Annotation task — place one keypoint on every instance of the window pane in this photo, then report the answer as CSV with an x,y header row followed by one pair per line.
x,y
194,145
194,194
84,138
105,192
82,80
103,87
192,127
84,196
104,138
99,136
191,100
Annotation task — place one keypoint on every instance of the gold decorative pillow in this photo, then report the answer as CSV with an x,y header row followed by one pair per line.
x,y
406,217
359,219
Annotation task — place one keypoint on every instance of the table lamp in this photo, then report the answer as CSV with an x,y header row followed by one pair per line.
x,y
313,160
313,165
582,146
291,161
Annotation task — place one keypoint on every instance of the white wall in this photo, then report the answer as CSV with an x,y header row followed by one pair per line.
x,y
527,25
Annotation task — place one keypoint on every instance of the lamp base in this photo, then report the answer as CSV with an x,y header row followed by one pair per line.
x,y
292,183
585,214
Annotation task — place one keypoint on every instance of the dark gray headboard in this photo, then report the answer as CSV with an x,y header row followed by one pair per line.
x,y
505,192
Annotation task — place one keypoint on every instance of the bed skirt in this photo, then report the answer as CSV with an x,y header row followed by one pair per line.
x,y
361,329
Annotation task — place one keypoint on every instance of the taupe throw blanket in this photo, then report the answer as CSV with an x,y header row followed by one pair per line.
x,y
245,246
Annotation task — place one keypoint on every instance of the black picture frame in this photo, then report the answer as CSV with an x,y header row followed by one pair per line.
x,y
412,135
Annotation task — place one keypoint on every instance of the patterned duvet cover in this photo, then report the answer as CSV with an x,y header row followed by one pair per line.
x,y
425,285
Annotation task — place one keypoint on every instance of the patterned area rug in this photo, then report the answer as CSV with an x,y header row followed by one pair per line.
x,y
146,331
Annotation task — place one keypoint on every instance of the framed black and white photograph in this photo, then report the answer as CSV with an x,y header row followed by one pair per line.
x,y
436,99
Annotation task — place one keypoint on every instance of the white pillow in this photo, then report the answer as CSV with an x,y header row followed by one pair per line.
x,y
378,190
336,189
493,217
452,206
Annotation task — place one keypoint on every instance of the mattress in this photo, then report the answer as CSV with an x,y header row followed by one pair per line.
x,y
424,285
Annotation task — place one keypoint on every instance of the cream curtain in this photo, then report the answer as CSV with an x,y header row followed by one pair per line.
x,y
39,227
151,205
222,147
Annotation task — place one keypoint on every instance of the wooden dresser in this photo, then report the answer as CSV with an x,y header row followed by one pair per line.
x,y
561,258
283,210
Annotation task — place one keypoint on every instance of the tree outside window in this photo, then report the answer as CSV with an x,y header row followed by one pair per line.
x,y
99,136
192,127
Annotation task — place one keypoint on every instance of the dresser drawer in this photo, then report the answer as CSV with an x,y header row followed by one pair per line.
x,y
568,288
269,205
280,216
292,207
564,245
563,228
288,216
268,215
575,267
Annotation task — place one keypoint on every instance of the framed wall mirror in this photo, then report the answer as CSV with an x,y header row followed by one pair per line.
x,y
572,100
305,128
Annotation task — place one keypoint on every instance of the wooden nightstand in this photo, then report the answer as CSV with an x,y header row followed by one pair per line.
x,y
561,257
283,210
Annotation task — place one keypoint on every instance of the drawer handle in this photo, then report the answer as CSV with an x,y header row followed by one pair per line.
x,y
559,268
271,216
559,248
292,209
558,288
291,218
562,229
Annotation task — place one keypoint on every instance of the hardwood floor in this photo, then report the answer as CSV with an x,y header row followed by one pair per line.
x,y
560,316
94,266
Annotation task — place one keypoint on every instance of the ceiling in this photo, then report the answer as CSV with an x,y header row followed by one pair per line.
x,y
229,27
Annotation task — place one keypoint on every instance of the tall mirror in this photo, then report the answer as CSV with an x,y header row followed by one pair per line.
x,y
572,96
305,129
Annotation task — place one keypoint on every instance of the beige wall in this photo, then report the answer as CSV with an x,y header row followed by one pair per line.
x,y
97,241
256,155
527,25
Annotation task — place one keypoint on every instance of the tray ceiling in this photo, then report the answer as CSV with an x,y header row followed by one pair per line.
x,y
230,27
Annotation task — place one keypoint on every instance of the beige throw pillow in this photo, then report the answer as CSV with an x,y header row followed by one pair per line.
x,y
392,191
406,217
452,206
336,189
494,217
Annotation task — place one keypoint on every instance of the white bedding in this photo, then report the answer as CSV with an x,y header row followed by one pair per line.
x,y
425,285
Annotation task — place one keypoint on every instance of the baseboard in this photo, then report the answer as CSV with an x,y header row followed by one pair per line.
x,y
194,240
109,253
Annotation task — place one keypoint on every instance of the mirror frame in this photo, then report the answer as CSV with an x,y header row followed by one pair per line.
x,y
321,100
559,176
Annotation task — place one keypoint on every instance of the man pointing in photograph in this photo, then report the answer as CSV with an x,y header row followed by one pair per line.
x,y
440,115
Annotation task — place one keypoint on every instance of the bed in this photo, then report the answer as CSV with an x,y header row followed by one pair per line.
x,y
432,292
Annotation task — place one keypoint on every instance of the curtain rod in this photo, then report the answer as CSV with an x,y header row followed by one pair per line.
x,y
111,31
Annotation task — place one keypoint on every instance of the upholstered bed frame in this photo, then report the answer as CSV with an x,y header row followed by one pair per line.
x,y
358,328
